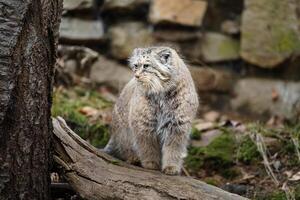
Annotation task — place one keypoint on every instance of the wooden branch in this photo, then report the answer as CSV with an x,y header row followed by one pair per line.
x,y
96,175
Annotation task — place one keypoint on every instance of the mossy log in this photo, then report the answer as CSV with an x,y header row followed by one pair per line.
x,y
96,175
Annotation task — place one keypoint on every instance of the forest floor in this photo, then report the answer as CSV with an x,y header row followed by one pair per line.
x,y
253,159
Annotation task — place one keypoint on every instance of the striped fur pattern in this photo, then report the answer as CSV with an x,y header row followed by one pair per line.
x,y
153,115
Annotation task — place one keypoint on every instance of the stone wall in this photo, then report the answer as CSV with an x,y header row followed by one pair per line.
x,y
244,55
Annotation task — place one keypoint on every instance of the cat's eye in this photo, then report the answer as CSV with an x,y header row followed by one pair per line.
x,y
166,56
135,66
146,66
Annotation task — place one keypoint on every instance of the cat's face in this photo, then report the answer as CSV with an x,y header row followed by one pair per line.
x,y
152,67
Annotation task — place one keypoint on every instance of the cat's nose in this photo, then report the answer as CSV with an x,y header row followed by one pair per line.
x,y
137,74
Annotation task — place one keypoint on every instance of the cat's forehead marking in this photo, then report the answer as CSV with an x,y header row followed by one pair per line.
x,y
144,52
143,55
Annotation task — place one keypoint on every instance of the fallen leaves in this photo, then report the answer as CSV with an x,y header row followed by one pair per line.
x,y
295,177
88,111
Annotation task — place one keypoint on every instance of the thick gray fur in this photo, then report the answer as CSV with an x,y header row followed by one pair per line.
x,y
153,115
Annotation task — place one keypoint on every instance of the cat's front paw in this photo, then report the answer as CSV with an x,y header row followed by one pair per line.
x,y
171,170
150,165
133,160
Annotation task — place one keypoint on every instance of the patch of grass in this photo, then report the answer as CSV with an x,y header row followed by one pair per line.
x,y
260,128
67,104
280,194
277,195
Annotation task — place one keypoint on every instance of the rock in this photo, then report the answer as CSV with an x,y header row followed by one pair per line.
x,y
254,96
277,165
206,138
78,4
110,73
204,126
183,12
216,47
73,64
270,32
211,80
77,60
71,67
220,10
212,116
123,4
236,188
230,27
81,31
176,35
125,37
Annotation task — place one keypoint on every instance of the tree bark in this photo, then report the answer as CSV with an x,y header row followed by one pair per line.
x,y
28,40
96,175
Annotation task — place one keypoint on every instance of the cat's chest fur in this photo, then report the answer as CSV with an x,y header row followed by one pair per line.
x,y
163,112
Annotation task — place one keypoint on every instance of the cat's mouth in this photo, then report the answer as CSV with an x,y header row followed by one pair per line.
x,y
151,84
146,79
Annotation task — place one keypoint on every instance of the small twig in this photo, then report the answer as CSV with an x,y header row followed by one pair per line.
x,y
185,172
257,138
296,144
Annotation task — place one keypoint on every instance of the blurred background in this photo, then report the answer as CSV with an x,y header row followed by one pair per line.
x,y
244,57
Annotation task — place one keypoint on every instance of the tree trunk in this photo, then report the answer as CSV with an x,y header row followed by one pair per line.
x,y
96,175
28,40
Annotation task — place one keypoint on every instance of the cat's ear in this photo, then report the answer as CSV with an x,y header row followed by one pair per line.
x,y
132,58
165,56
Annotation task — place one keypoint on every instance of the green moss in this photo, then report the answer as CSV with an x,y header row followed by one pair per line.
x,y
221,149
195,158
285,37
287,41
229,48
195,134
219,153
247,151
67,103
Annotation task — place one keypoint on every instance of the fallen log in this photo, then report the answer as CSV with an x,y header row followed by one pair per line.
x,y
96,175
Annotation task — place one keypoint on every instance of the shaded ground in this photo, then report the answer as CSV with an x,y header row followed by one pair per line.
x,y
259,161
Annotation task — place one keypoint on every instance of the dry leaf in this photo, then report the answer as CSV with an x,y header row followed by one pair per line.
x,y
295,177
88,111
